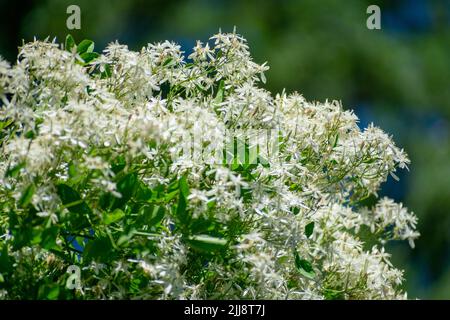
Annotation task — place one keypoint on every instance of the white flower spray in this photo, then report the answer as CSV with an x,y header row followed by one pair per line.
x,y
294,221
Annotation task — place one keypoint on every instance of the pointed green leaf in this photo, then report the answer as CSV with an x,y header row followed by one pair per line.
x,y
70,43
14,171
5,261
114,216
71,199
309,228
304,266
89,56
150,215
5,123
220,92
181,209
184,188
27,195
85,46
206,243
48,238
99,249
126,187
48,292
336,141
168,60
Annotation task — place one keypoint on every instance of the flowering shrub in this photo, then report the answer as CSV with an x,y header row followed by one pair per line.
x,y
162,177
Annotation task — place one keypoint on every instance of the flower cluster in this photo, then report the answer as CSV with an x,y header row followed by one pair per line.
x,y
115,162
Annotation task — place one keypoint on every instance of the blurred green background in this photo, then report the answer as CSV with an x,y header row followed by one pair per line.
x,y
397,77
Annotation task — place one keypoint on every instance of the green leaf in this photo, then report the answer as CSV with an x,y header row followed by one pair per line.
x,y
126,187
4,124
172,190
295,210
181,212
106,73
134,285
304,266
70,43
77,206
168,60
173,186
143,193
71,199
200,88
157,215
35,235
27,195
309,228
151,215
85,46
30,134
336,141
283,259
211,204
89,56
5,261
23,235
184,188
99,249
171,195
333,294
114,216
48,292
48,238
206,243
370,160
14,171
220,92
76,174
124,240
53,293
